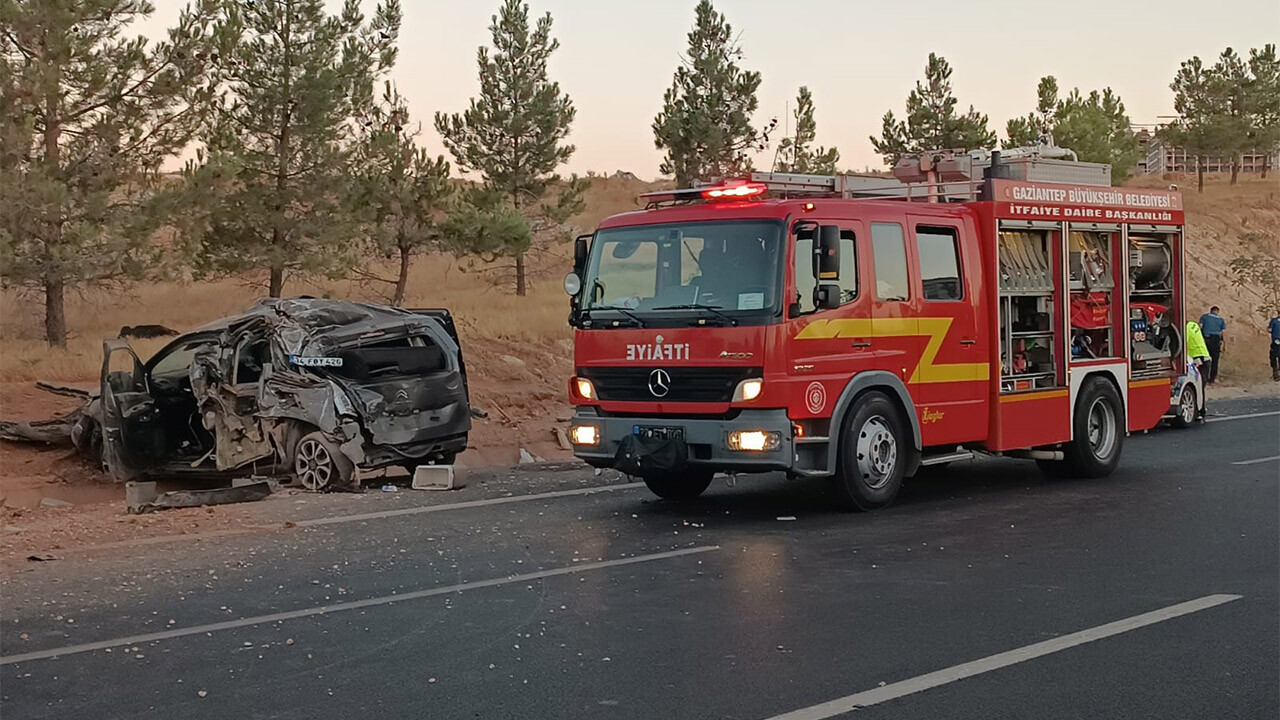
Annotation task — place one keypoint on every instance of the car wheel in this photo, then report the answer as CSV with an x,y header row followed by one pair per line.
x,y
683,485
1097,435
1185,415
319,464
873,454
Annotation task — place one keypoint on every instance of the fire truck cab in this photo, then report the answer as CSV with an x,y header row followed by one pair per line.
x,y
860,328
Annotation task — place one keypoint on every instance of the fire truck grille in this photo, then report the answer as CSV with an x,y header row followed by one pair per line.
x,y
683,384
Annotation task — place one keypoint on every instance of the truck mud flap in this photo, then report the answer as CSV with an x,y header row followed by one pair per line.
x,y
641,456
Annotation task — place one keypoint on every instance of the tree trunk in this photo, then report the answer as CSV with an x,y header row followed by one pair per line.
x,y
1200,174
402,280
520,284
1266,164
55,315
277,281
1235,168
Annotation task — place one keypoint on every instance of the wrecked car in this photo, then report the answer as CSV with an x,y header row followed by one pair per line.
x,y
313,388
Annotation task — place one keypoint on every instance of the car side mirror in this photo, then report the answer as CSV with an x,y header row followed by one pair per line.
x,y
826,296
828,251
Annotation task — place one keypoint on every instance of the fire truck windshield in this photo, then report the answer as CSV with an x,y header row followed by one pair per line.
x,y
720,272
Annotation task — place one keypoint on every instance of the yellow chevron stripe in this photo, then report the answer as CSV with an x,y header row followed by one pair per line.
x,y
1151,383
934,328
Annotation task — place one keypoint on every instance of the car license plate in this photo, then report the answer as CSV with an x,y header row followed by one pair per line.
x,y
662,432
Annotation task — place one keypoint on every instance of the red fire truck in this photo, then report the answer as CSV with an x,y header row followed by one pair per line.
x,y
860,328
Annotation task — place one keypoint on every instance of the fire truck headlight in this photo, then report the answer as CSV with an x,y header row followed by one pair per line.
x,y
753,440
585,389
585,435
748,390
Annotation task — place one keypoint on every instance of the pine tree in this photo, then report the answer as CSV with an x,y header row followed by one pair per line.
x,y
87,117
795,153
401,189
705,124
1094,126
513,136
1031,130
1200,129
1264,92
932,122
274,184
1231,87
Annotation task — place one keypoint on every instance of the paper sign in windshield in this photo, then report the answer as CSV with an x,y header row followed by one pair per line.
x,y
750,301
305,361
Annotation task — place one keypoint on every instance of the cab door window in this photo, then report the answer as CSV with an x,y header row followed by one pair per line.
x,y
939,263
802,299
889,249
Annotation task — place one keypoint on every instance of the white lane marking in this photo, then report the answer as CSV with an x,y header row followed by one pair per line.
x,y
467,504
354,605
1259,460
994,662
1242,417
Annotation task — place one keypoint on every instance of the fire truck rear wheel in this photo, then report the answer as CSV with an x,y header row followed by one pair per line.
x,y
873,454
1097,434
683,485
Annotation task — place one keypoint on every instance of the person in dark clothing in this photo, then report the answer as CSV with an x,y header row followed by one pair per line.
x,y
1274,328
1215,336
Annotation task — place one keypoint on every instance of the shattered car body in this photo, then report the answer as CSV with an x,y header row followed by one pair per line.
x,y
311,387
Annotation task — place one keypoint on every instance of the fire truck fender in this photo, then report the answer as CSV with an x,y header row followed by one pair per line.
x,y
889,384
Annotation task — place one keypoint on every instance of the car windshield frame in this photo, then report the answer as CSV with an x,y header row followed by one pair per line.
x,y
679,306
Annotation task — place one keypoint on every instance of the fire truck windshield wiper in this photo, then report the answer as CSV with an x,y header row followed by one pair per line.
x,y
713,309
630,315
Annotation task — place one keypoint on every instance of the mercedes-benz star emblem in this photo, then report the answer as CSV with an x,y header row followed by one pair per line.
x,y
659,383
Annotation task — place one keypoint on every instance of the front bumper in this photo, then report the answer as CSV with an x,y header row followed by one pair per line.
x,y
704,437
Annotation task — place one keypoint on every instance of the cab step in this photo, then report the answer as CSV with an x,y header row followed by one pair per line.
x,y
946,458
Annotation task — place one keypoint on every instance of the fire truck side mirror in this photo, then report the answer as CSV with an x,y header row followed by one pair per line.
x,y
826,296
828,252
580,254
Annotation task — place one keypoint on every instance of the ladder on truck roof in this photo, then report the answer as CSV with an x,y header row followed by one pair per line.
x,y
934,176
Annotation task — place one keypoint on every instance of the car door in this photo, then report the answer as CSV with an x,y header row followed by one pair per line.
x,y
227,380
951,389
132,440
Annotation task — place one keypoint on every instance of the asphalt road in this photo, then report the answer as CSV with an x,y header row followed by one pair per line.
x,y
985,592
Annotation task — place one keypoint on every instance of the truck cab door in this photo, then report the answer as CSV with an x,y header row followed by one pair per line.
x,y
951,382
829,346
132,440
895,327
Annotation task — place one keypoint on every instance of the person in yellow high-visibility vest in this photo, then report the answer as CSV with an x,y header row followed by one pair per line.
x,y
1198,352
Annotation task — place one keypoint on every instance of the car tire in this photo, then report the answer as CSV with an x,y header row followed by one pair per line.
x,y
683,485
1097,436
1185,414
873,454
319,465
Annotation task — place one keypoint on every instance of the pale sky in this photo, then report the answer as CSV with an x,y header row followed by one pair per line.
x,y
859,58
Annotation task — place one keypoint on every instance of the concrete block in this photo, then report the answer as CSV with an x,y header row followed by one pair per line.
x,y
436,477
137,493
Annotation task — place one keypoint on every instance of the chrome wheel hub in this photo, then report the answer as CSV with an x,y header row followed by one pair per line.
x,y
877,452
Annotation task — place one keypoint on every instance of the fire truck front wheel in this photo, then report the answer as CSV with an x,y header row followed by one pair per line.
x,y
873,454
683,485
